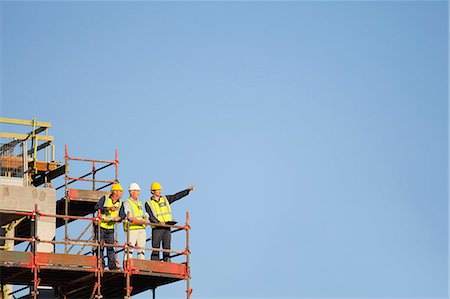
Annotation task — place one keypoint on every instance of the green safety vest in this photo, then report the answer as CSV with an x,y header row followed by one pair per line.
x,y
161,209
136,211
108,217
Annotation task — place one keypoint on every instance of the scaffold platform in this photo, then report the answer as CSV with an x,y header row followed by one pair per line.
x,y
76,276
82,275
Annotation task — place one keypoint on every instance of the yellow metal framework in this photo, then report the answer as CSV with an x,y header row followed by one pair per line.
x,y
13,121
39,138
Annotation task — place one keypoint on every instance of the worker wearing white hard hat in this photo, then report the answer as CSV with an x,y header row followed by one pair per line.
x,y
136,221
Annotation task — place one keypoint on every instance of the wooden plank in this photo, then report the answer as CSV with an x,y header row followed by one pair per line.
x,y
45,166
44,258
11,162
159,267
15,257
86,195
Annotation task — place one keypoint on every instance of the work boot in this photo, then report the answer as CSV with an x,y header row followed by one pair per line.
x,y
115,268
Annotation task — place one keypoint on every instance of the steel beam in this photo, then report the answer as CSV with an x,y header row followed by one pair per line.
x,y
15,142
37,181
24,136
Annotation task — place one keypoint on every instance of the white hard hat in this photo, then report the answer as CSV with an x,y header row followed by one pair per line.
x,y
134,186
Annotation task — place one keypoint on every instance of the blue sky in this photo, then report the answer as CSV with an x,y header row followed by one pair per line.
x,y
316,132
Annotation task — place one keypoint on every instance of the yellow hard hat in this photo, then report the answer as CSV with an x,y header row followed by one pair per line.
x,y
116,187
156,186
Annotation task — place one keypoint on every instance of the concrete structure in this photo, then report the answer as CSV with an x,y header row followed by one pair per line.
x,y
24,199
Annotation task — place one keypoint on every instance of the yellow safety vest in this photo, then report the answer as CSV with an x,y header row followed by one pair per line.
x,y
161,209
137,212
108,217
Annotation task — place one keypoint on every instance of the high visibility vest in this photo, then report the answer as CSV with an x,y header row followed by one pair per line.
x,y
108,217
161,209
137,212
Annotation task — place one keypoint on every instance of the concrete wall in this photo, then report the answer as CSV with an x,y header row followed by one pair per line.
x,y
17,198
12,181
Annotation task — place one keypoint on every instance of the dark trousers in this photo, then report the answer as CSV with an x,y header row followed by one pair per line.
x,y
161,235
107,236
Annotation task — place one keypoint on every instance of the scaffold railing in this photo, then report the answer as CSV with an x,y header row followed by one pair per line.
x,y
36,261
93,172
23,163
89,177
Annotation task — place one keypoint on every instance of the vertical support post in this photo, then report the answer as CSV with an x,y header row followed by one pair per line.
x,y
93,175
188,270
128,280
117,165
127,248
34,144
66,197
47,149
116,243
4,291
25,163
33,233
127,266
128,283
53,152
99,270
35,291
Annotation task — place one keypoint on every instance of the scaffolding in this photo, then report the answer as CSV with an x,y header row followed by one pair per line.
x,y
80,202
69,275
82,276
28,155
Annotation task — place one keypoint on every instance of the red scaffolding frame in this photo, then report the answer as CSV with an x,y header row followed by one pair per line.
x,y
51,268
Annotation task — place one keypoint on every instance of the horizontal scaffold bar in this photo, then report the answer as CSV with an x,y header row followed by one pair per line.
x,y
91,160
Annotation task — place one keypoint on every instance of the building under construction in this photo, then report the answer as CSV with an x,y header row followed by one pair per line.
x,y
39,255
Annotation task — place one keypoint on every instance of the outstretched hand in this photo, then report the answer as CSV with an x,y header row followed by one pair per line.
x,y
191,187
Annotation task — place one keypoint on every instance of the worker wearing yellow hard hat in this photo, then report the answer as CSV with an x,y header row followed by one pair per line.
x,y
112,212
155,186
159,212
116,187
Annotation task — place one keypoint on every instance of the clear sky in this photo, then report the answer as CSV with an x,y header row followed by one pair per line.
x,y
316,132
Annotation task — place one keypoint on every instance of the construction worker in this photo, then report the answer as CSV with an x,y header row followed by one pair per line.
x,y
159,211
112,212
135,226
